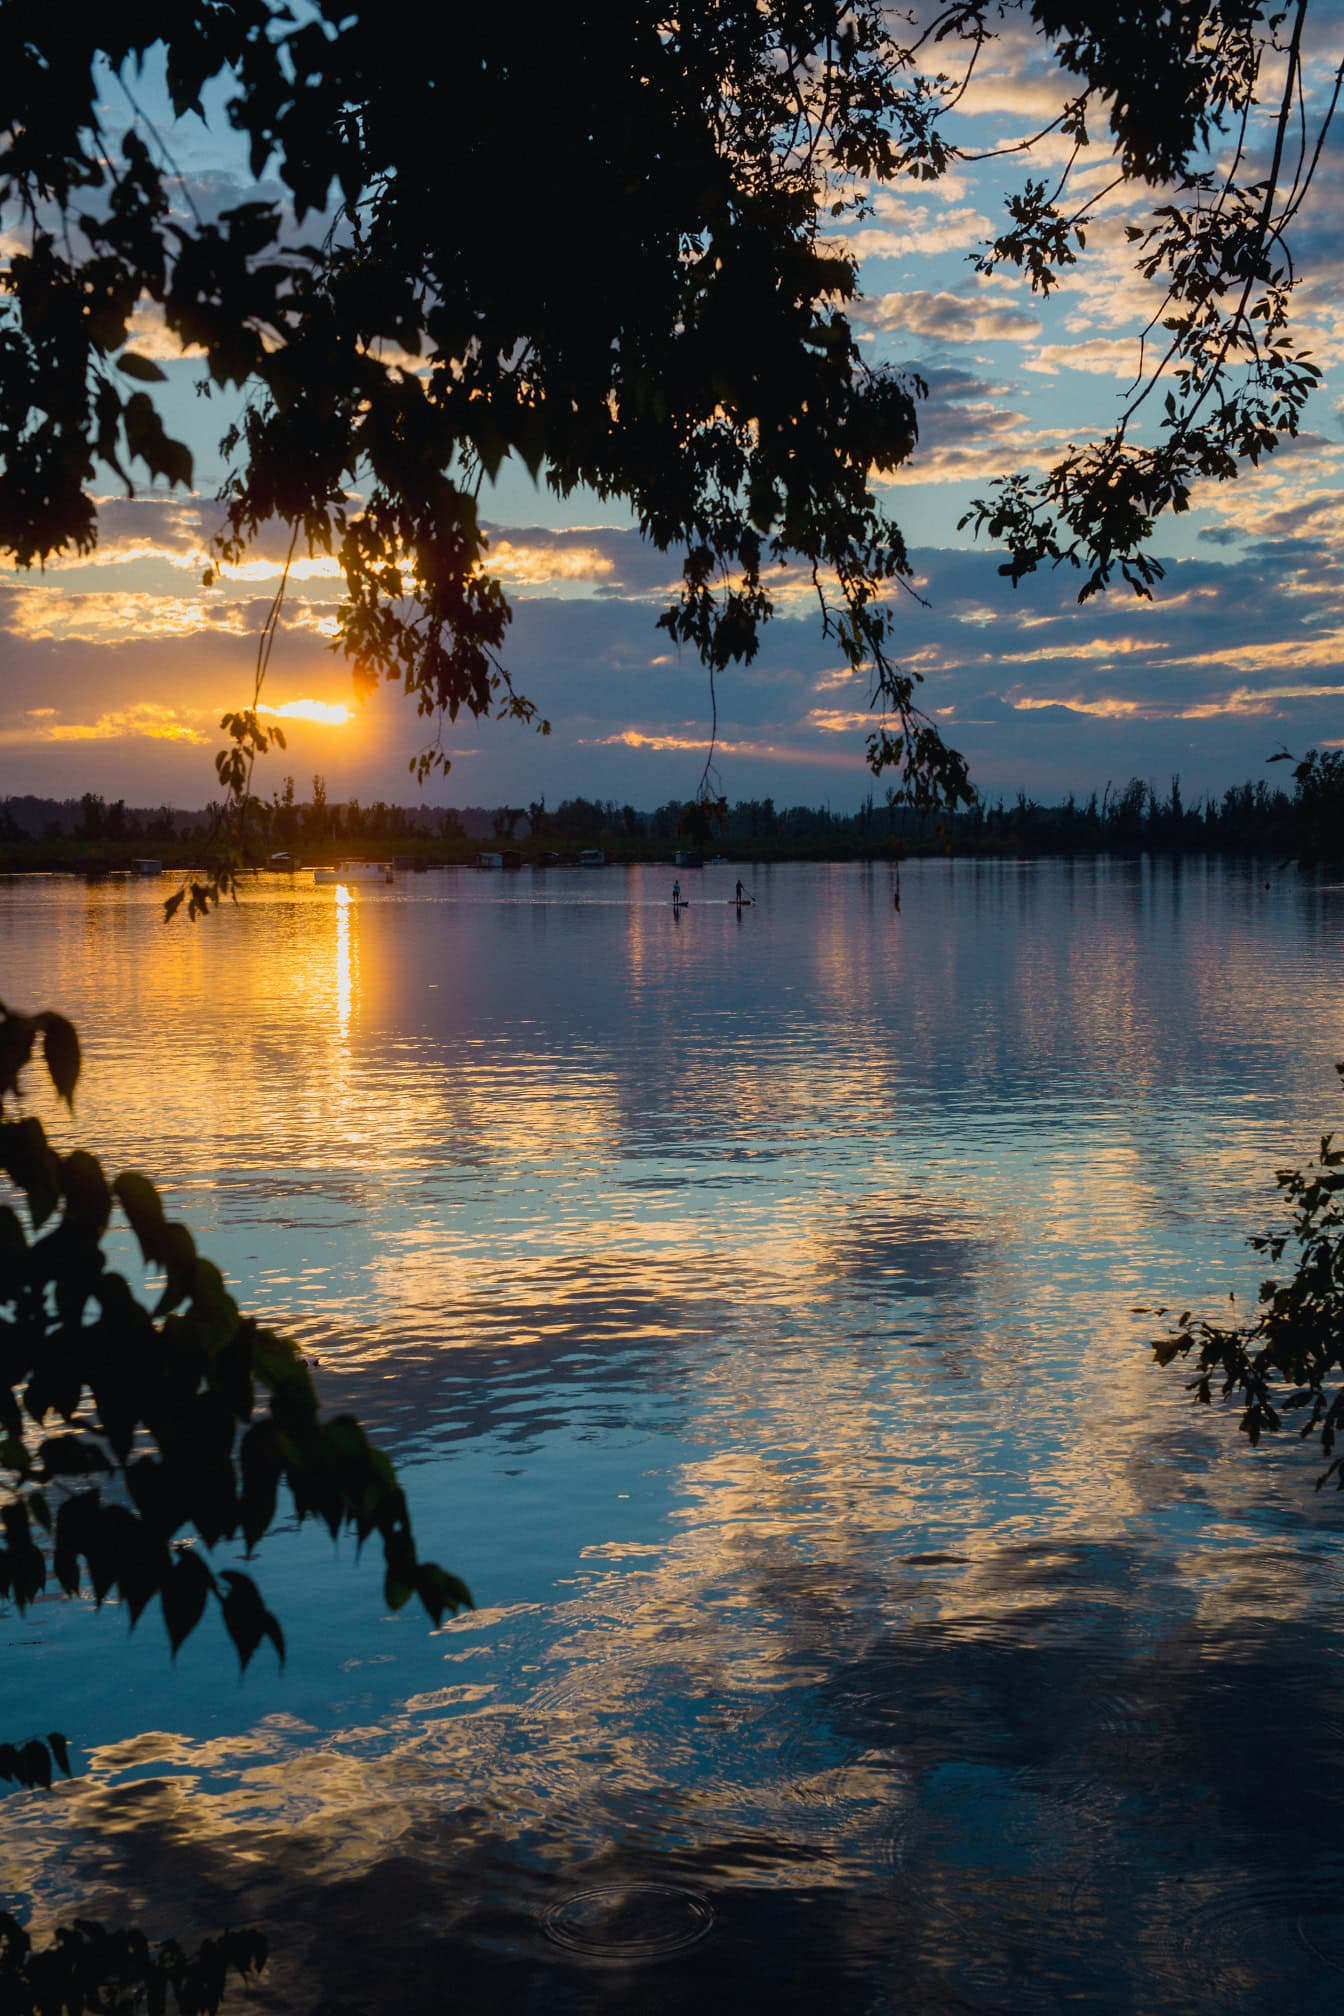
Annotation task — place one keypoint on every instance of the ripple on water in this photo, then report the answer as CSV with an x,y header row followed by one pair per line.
x,y
1216,1932
628,1923
1322,1933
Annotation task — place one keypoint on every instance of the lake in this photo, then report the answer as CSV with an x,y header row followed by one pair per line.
x,y
749,1303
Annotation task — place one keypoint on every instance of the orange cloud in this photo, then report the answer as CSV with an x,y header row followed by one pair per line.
x,y
330,713
145,719
530,565
776,752
103,618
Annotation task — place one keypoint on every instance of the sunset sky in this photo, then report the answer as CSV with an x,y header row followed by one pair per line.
x,y
119,667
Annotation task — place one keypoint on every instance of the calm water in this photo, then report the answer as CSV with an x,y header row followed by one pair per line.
x,y
749,1305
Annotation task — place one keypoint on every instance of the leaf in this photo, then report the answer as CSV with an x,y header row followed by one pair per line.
x,y
88,1201
185,1589
27,1158
440,1591
14,1455
60,1749
246,1618
261,1464
35,1765
143,368
60,1045
71,1456
144,1208
147,439
13,1245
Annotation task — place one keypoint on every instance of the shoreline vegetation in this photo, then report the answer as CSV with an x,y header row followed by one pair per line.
x,y
92,837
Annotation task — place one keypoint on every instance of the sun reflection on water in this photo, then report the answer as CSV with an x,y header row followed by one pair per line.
x,y
346,968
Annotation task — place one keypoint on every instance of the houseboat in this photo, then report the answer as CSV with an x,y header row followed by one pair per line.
x,y
354,871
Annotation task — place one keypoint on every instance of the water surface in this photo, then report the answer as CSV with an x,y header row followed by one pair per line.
x,y
749,1304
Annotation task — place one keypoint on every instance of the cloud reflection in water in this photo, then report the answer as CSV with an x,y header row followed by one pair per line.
x,y
753,1310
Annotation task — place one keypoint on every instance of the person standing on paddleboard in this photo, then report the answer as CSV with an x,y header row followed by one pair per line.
x,y
739,888
676,892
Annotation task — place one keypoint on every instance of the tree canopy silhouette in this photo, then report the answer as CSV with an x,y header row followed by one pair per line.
x,y
162,1450
595,239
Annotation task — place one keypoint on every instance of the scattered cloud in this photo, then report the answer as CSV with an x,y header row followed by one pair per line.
x,y
145,720
946,317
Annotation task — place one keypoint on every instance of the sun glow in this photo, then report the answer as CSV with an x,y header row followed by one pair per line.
x,y
331,713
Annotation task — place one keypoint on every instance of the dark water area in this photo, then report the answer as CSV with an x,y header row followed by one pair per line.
x,y
749,1303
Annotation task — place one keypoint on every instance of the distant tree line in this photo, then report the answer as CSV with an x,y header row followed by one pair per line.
x,y
90,818
1305,823
1252,818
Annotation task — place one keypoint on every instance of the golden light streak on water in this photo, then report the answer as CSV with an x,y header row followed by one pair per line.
x,y
345,964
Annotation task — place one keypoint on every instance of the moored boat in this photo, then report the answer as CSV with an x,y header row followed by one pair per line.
x,y
354,871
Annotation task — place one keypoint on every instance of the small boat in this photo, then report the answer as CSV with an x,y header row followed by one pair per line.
x,y
686,859
146,867
283,862
592,857
354,871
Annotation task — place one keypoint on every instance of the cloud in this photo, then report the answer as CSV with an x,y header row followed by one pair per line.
x,y
968,434
1011,76
1102,356
541,562
144,720
94,618
908,231
950,318
1229,661
329,713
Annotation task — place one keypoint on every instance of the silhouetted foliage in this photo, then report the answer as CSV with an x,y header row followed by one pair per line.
x,y
89,1968
1288,1360
395,346
163,1451
1249,818
1319,805
175,1429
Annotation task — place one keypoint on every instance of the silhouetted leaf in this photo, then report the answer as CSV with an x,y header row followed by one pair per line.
x,y
34,1764
441,1592
88,1201
143,368
144,1208
246,1618
185,1589
71,1456
60,1046
13,1246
